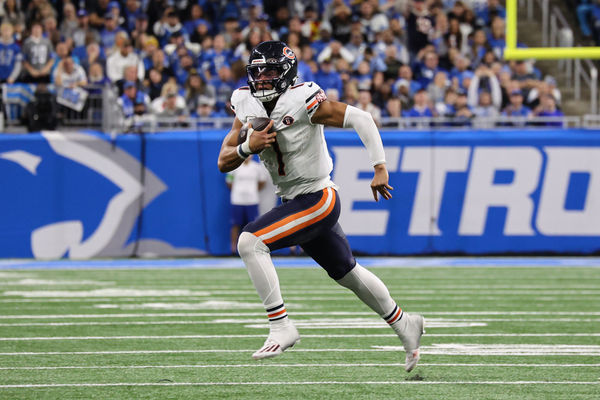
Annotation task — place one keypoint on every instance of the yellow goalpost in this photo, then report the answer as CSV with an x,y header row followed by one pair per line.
x,y
511,52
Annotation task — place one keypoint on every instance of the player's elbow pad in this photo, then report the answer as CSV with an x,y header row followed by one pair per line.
x,y
362,122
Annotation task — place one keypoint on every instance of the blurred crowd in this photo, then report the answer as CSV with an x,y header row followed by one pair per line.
x,y
180,58
588,16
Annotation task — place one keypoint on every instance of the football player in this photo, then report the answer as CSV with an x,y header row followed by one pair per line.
x,y
293,149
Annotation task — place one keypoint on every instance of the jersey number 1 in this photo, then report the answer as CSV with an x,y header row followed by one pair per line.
x,y
280,163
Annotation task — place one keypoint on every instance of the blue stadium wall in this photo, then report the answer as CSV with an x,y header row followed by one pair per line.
x,y
82,195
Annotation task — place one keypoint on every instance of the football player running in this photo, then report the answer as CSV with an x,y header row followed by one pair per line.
x,y
293,149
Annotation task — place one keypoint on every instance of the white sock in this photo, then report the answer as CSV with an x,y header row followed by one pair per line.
x,y
256,255
373,292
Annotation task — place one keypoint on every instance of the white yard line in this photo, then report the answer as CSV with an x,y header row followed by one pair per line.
x,y
423,291
56,385
261,365
141,293
433,286
126,323
322,313
447,349
162,337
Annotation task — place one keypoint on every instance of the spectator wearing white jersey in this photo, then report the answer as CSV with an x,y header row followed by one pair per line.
x,y
125,56
68,74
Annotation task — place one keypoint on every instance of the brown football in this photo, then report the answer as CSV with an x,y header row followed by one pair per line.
x,y
258,124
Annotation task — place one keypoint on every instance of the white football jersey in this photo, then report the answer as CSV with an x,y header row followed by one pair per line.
x,y
298,162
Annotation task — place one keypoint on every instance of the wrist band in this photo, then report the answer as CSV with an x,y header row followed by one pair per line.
x,y
245,147
243,155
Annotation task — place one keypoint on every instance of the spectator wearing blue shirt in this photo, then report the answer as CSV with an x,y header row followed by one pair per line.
x,y
421,106
201,32
132,10
376,63
548,109
168,24
224,86
10,55
114,8
405,85
446,108
363,75
479,47
108,35
585,11
196,18
496,38
212,60
328,78
596,19
96,78
516,108
130,97
89,54
461,75
427,70
182,68
485,12
179,46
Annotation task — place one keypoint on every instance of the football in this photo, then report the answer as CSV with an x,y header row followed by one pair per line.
x,y
258,124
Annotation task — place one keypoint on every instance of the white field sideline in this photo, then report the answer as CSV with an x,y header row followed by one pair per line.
x,y
130,323
183,292
163,337
54,385
332,365
167,299
438,349
217,313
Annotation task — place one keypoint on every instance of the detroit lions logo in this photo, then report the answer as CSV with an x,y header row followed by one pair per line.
x,y
83,203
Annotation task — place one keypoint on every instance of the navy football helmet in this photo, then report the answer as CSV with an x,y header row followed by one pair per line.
x,y
272,64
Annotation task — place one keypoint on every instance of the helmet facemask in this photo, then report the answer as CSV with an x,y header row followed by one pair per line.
x,y
267,81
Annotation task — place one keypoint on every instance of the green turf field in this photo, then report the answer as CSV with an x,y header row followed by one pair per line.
x,y
492,333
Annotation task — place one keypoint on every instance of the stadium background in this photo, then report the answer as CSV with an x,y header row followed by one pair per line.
x,y
423,69
110,213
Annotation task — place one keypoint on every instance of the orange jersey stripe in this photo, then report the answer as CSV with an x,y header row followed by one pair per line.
x,y
292,217
276,314
305,224
311,104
